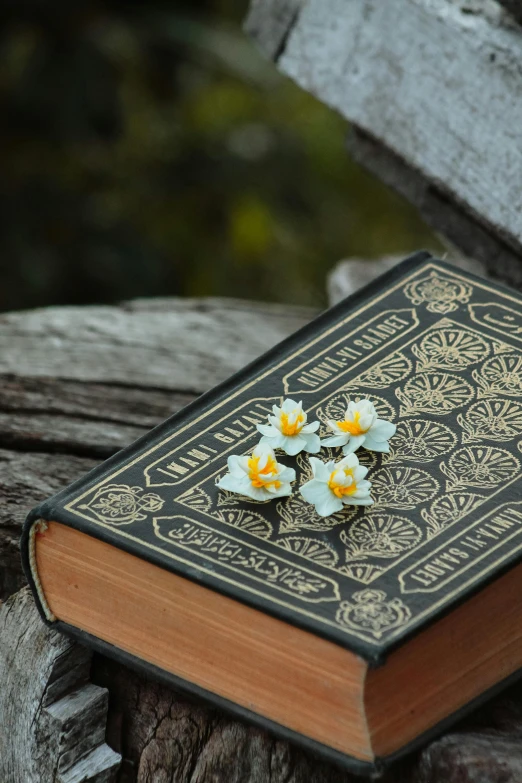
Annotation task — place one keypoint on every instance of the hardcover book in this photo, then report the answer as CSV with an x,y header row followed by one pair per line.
x,y
360,634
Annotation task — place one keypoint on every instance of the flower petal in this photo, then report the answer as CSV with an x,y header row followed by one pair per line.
x,y
336,440
359,473
294,444
376,445
315,490
287,475
228,482
267,429
355,442
313,442
319,494
312,427
274,441
237,465
328,505
382,430
320,469
289,405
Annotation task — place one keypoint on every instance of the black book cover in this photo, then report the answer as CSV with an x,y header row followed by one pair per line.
x,y
439,352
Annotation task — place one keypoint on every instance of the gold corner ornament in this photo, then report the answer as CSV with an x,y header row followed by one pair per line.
x,y
120,504
370,613
440,294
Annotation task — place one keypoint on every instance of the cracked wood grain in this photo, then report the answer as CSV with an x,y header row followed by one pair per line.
x,y
164,737
53,720
442,96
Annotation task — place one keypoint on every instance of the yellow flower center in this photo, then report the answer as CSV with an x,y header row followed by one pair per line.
x,y
291,429
255,472
338,490
353,427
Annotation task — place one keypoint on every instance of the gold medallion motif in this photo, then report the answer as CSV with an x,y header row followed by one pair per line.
x,y
421,440
500,375
391,370
447,509
317,551
402,487
370,612
250,521
483,467
197,499
119,504
438,394
441,294
379,535
498,420
450,349
361,572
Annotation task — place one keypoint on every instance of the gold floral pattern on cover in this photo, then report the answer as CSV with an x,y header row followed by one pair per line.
x,y
500,375
318,551
421,440
391,370
402,487
437,394
399,483
197,499
450,349
249,521
379,535
498,420
483,467
448,509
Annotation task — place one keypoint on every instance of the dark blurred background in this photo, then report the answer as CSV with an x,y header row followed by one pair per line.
x,y
147,149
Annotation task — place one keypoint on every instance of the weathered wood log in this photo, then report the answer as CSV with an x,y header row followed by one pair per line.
x,y
53,719
163,736
437,105
77,384
514,7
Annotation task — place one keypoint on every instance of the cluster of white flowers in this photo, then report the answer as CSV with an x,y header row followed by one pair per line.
x,y
334,484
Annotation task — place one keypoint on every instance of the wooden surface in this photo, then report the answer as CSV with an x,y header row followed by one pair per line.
x,y
434,91
52,718
77,384
73,392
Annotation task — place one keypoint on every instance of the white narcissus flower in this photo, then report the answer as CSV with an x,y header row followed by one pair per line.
x,y
289,431
361,427
337,484
259,476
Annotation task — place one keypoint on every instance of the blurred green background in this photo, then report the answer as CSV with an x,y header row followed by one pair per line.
x,y
148,149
